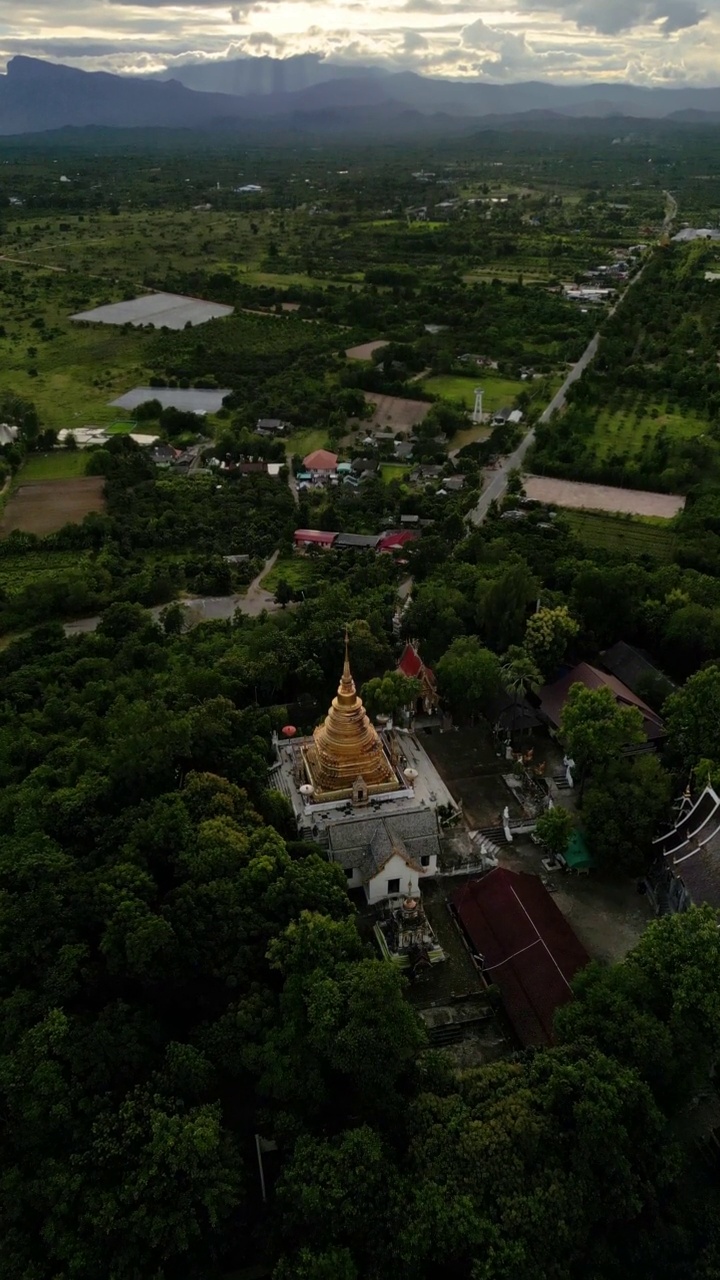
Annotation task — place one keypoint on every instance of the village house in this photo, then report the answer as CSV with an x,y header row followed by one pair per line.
x,y
321,464
272,427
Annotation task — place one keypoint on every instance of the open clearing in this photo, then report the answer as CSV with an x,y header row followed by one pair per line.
x,y
161,310
45,506
61,464
393,413
365,350
602,497
498,393
192,400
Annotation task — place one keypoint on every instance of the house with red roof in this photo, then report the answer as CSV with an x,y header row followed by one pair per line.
x,y
412,665
524,945
321,463
305,538
396,541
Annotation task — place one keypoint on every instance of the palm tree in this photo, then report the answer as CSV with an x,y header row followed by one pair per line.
x,y
520,673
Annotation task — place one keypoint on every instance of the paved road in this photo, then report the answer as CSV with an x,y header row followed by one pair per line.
x,y
498,478
206,608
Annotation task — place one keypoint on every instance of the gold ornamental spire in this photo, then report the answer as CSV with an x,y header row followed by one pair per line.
x,y
347,693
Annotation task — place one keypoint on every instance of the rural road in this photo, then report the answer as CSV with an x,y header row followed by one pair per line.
x,y
498,478
206,608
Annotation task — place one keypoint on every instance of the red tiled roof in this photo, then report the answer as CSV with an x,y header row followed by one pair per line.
x,y
553,696
528,948
321,460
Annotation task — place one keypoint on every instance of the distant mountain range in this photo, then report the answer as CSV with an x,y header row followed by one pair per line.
x,y
257,96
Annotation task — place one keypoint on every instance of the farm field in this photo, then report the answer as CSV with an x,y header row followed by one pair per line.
x,y
68,371
395,413
19,571
633,536
498,393
602,497
45,506
626,432
365,350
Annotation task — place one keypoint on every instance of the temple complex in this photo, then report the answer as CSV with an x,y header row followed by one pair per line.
x,y
346,759
369,796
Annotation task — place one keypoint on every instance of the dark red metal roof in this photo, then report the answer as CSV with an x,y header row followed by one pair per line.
x,y
315,535
392,541
527,946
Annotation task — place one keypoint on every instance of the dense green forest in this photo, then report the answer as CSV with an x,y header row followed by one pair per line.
x,y
178,974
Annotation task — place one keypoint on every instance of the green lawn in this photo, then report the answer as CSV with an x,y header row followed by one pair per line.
x,y
299,571
393,471
61,464
498,393
305,442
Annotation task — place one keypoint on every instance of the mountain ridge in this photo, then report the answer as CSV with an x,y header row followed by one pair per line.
x,y
36,95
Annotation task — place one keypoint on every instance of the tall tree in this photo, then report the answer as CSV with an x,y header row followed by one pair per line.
x,y
595,728
547,636
468,675
390,694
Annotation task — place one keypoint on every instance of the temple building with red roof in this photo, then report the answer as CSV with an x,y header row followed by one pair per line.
x,y
525,946
412,665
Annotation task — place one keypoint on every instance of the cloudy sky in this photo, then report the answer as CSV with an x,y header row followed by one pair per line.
x,y
645,41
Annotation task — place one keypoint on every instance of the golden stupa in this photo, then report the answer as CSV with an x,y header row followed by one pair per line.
x,y
346,758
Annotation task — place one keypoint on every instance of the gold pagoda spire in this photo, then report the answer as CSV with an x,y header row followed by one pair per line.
x,y
347,693
347,747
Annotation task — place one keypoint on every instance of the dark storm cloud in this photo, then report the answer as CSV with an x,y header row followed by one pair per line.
x,y
609,17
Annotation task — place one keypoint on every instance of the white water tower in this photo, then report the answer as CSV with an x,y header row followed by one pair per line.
x,y
477,414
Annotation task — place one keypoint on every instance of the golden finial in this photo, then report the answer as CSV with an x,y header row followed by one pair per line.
x,y
346,687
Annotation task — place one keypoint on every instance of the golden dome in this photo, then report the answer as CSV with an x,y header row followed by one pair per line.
x,y
347,748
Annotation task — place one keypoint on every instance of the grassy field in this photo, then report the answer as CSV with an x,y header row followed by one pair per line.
x,y
299,571
304,442
634,536
498,393
61,464
625,431
68,371
393,471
